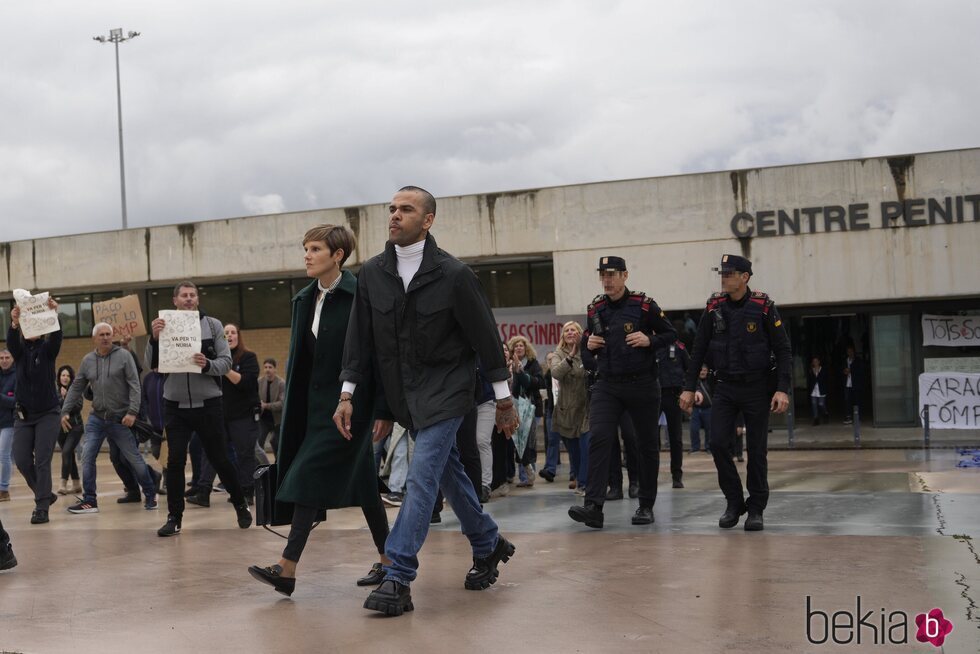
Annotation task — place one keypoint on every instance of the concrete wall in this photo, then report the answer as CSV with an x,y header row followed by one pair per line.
x,y
671,231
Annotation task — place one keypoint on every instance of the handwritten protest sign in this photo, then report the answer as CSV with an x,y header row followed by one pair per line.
x,y
36,318
951,331
124,314
953,399
179,341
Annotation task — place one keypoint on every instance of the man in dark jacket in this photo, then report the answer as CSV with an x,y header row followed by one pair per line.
x,y
853,373
8,386
672,362
421,319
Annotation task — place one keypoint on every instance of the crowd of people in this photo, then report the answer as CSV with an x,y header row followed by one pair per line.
x,y
398,391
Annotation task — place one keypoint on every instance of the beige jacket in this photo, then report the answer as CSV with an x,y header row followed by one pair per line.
x,y
571,415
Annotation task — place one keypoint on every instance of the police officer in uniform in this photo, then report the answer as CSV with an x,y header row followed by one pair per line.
x,y
739,330
624,327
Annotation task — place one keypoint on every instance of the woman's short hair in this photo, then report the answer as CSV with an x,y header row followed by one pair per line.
x,y
528,348
337,237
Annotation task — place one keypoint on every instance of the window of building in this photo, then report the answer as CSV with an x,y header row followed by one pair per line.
x,y
507,285
157,299
68,317
266,304
542,278
221,301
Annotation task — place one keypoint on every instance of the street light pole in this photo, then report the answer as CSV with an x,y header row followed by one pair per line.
x,y
116,37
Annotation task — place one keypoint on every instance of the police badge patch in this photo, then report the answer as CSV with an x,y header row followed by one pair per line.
x,y
751,327
628,328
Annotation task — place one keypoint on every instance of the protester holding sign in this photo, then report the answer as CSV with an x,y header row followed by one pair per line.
x,y
36,422
37,316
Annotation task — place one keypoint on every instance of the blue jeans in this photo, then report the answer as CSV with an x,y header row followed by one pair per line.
x,y
96,431
700,419
435,465
552,452
6,467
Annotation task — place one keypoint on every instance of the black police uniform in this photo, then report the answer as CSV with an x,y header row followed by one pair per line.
x,y
617,453
673,362
736,338
626,381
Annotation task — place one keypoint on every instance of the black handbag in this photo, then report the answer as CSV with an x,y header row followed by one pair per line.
x,y
268,510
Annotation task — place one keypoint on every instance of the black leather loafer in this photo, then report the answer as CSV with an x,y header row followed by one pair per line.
x,y
390,598
754,522
374,577
484,572
590,514
731,515
272,575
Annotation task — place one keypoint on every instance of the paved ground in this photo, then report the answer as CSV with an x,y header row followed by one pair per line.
x,y
896,528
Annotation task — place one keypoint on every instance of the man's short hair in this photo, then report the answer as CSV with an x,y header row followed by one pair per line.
x,y
184,284
337,237
428,202
100,325
271,361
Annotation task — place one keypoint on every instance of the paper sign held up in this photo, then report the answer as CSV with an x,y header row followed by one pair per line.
x,y
36,317
124,314
180,340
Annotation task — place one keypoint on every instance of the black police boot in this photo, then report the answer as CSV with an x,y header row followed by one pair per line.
x,y
7,558
484,572
390,598
677,482
590,514
634,490
731,515
754,521
272,575
614,494
643,516
39,516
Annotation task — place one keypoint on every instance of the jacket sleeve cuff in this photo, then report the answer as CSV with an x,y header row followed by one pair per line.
x,y
500,390
348,387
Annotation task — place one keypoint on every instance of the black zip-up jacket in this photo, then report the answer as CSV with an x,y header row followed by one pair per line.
x,y
424,343
242,399
36,388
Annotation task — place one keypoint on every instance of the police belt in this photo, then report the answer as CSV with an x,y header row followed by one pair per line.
x,y
623,379
742,378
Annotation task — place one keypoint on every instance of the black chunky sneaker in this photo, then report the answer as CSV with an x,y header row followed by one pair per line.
x,y
484,572
390,598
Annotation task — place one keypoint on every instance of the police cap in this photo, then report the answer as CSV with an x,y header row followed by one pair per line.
x,y
612,263
734,263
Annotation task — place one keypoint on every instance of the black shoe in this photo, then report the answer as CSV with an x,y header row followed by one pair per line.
x,y
248,500
7,558
130,498
614,494
547,475
590,514
272,575
643,516
39,516
202,498
172,528
754,522
390,598
678,483
484,494
484,572
191,490
373,578
244,515
634,491
436,518
731,515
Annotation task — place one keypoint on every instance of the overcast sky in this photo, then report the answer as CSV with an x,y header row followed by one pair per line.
x,y
235,108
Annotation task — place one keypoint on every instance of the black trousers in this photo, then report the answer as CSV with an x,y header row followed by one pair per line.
x,y
752,399
675,428
628,434
243,434
469,454
68,444
640,399
305,516
501,458
209,423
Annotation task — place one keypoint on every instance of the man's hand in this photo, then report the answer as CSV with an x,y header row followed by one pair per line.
x,y
65,424
381,429
200,360
698,398
342,416
128,420
157,326
780,402
638,339
15,317
686,400
506,417
595,342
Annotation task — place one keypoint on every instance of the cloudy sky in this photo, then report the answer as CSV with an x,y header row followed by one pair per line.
x,y
241,108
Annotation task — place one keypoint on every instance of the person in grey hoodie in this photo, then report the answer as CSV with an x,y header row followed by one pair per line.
x,y
192,403
110,372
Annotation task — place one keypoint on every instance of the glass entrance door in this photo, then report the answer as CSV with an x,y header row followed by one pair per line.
x,y
893,376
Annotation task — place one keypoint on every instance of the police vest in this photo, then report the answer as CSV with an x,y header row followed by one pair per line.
x,y
739,341
619,319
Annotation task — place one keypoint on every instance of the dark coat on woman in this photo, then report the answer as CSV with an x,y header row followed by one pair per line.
x,y
317,465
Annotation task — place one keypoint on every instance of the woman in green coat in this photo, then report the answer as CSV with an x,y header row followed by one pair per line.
x,y
319,467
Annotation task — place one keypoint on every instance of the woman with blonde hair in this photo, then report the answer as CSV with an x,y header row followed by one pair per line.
x,y
571,415
528,382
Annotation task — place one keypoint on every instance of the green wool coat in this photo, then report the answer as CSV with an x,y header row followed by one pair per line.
x,y
317,465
